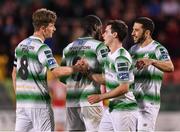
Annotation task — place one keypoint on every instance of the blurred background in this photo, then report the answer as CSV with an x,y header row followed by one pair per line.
x,y
16,24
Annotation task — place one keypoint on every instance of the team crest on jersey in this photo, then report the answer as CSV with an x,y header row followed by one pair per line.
x,y
51,61
146,55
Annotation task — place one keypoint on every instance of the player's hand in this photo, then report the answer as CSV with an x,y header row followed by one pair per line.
x,y
143,63
76,68
139,65
95,98
83,65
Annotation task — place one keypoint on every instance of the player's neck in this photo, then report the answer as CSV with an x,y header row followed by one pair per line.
x,y
146,42
116,44
39,35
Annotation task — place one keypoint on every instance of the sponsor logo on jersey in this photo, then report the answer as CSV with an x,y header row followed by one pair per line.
x,y
164,54
104,52
123,76
48,54
77,48
51,61
122,66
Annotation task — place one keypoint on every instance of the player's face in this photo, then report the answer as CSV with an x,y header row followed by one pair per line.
x,y
108,35
138,33
49,30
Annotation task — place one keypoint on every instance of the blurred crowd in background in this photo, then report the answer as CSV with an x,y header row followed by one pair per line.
x,y
16,24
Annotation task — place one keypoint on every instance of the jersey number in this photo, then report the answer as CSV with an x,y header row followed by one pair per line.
x,y
23,71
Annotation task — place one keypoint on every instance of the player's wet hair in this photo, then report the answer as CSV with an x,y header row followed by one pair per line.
x,y
120,27
147,23
42,17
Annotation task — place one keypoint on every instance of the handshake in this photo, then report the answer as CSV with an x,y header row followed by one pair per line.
x,y
81,66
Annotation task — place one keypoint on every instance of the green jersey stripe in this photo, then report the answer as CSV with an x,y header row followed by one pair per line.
x,y
142,76
80,95
31,55
122,106
32,97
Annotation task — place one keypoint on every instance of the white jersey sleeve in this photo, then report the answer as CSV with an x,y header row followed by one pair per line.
x,y
46,58
162,53
102,52
122,67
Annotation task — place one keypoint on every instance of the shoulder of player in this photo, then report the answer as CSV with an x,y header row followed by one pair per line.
x,y
68,46
158,45
43,47
133,48
123,54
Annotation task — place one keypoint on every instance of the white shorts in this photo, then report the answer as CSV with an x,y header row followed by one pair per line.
x,y
92,117
83,119
74,120
36,119
147,117
119,121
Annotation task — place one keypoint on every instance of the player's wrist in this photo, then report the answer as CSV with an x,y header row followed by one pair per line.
x,y
75,68
153,61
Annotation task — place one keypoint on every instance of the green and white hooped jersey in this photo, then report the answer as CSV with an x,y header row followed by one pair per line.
x,y
118,70
78,85
148,80
32,59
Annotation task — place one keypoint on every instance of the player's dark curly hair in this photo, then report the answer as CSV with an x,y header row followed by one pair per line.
x,y
92,25
120,27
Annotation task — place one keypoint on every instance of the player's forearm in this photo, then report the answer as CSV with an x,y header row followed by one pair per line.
x,y
99,78
120,90
64,71
165,66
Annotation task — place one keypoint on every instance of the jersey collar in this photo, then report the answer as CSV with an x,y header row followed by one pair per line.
x,y
34,37
85,37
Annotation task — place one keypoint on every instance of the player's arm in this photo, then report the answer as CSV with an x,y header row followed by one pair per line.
x,y
123,75
13,74
14,78
101,52
85,68
166,66
118,91
98,78
64,70
163,61
47,59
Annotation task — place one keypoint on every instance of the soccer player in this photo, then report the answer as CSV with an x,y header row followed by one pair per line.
x,y
121,114
32,59
151,59
81,115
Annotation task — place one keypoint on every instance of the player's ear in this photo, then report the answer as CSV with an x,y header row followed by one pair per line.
x,y
115,34
147,33
42,28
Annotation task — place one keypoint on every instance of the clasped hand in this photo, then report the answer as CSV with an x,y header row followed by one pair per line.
x,y
143,63
82,65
